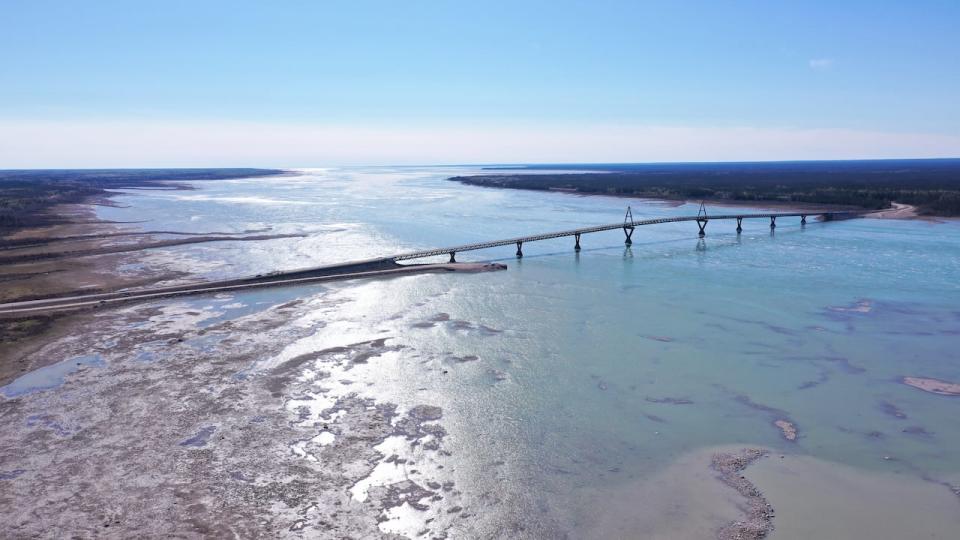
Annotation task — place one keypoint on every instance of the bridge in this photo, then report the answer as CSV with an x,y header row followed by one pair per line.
x,y
628,226
381,266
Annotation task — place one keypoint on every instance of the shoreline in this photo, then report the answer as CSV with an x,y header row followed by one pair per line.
x,y
56,304
899,211
22,337
748,492
43,265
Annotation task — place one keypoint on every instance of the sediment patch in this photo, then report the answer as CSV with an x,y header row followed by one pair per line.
x,y
758,522
933,386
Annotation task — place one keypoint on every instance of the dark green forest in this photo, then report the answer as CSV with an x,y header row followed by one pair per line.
x,y
931,185
26,195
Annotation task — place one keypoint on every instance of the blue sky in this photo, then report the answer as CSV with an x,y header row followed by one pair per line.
x,y
419,82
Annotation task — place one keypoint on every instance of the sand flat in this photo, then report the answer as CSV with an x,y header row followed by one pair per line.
x,y
687,499
819,499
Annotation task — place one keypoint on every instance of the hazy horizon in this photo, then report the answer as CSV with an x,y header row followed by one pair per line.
x,y
374,83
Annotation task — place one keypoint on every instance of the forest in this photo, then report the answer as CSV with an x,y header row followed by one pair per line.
x,y
932,185
26,195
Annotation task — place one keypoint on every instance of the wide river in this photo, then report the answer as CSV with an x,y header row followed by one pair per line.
x,y
597,372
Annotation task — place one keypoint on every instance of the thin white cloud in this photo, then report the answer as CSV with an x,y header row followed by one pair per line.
x,y
821,63
36,144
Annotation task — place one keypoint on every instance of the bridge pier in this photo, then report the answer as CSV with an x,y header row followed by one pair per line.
x,y
739,227
773,222
702,223
453,256
519,249
576,247
629,232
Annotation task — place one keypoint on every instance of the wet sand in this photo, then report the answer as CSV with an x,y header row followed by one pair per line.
x,y
934,386
819,499
231,450
685,500
899,211
761,493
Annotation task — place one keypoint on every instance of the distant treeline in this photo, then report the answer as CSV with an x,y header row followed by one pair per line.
x,y
25,195
932,185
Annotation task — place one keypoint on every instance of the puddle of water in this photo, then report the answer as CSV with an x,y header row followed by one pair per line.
x,y
10,475
201,438
49,377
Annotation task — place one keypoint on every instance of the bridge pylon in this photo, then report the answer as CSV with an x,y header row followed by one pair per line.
x,y
702,220
627,227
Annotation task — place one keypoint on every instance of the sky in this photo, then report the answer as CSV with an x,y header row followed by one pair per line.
x,y
321,83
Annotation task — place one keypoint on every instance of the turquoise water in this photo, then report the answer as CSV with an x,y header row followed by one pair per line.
x,y
599,368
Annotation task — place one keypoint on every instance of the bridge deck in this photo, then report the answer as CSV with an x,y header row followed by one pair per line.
x,y
588,230
357,269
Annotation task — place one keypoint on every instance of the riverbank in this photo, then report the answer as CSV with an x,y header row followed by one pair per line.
x,y
73,224
897,211
342,272
54,272
236,446
930,185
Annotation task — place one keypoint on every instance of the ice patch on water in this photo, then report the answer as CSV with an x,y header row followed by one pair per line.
x,y
325,438
300,448
385,473
403,520
314,404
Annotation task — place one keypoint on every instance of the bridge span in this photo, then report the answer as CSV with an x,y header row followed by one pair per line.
x,y
628,226
381,266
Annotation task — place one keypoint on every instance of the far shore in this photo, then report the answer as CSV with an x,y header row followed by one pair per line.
x,y
813,208
898,210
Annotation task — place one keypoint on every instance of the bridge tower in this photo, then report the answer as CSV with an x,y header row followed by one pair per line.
x,y
627,227
702,219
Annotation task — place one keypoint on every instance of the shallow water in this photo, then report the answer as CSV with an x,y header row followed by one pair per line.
x,y
595,370
826,500
48,377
